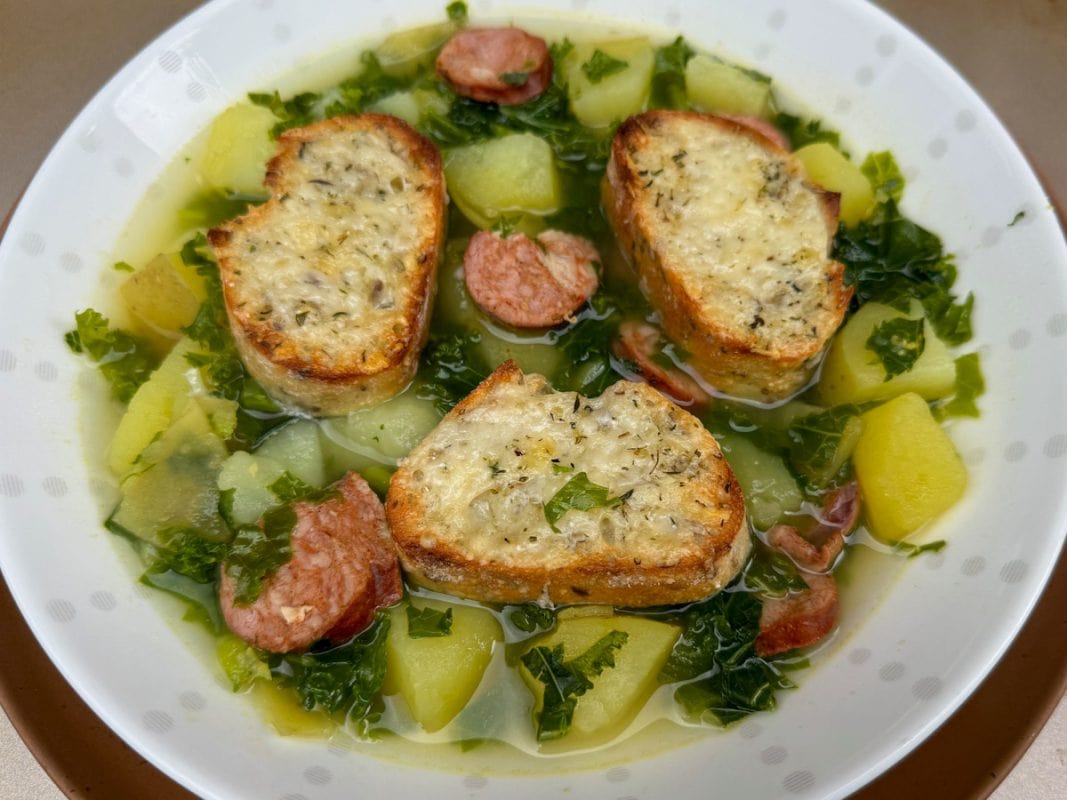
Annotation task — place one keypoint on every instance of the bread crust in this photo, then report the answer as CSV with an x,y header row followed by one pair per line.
x,y
616,572
341,361
736,357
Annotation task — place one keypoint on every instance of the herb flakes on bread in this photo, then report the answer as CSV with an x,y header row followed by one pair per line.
x,y
731,244
328,285
525,494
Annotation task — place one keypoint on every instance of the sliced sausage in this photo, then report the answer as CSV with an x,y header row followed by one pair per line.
x,y
798,620
819,549
639,343
342,570
496,65
530,283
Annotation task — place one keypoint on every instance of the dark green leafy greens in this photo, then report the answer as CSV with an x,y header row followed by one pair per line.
x,y
668,76
819,443
125,360
885,177
802,132
345,679
450,368
566,681
913,550
428,622
530,617
258,551
578,494
724,678
772,574
457,11
898,343
600,65
970,385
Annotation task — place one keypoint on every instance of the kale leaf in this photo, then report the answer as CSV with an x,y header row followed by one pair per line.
x,y
885,177
457,12
772,574
970,385
290,489
601,65
258,551
124,360
346,678
821,443
428,622
578,494
450,369
668,76
213,206
913,550
566,681
801,132
715,655
898,343
586,347
530,617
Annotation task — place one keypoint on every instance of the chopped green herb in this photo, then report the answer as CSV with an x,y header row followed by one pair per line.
x,y
801,132
428,622
559,50
457,11
668,76
914,550
530,617
601,65
898,343
970,385
716,655
122,266
578,494
1019,216
257,551
290,489
821,443
124,360
187,552
566,681
885,176
346,678
297,111
772,574
562,469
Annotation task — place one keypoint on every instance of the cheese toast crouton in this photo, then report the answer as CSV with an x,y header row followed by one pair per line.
x,y
328,285
525,494
731,244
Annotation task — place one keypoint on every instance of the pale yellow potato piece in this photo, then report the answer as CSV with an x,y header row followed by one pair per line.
x,y
399,104
722,88
830,169
908,469
161,294
402,53
238,147
512,175
616,96
619,692
769,487
438,675
297,449
852,373
152,408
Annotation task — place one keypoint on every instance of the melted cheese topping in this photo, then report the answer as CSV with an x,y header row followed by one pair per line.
x,y
334,268
738,223
486,476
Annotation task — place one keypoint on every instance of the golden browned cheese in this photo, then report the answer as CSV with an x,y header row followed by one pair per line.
x,y
467,508
329,284
732,246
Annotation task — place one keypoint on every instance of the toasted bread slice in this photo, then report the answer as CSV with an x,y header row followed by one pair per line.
x,y
731,244
328,285
655,516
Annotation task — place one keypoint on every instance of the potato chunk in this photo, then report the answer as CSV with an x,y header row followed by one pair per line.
x,y
725,89
907,467
619,692
829,168
514,174
438,675
164,294
624,86
238,146
769,487
852,373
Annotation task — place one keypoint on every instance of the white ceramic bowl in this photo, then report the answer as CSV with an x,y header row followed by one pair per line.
x,y
889,679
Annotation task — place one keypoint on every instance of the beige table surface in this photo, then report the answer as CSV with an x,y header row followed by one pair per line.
x,y
55,53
